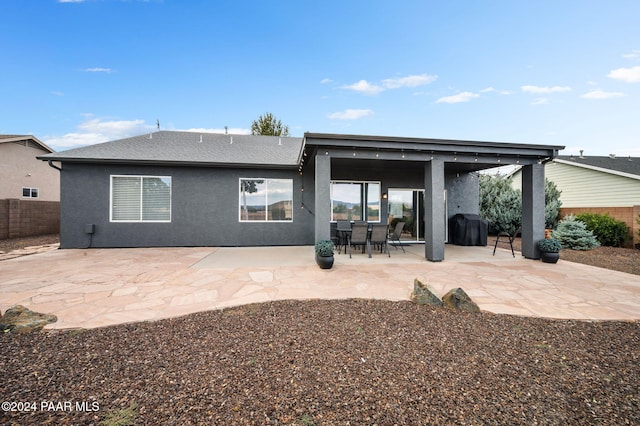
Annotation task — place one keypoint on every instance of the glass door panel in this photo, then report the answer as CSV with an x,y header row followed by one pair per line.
x,y
407,205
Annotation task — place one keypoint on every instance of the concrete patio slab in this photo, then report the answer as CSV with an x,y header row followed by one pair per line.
x,y
100,287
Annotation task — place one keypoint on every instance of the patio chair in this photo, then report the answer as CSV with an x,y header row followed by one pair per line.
x,y
343,228
380,236
394,238
511,237
359,237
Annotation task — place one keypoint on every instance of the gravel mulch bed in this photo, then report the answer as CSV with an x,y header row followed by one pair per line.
x,y
11,244
329,363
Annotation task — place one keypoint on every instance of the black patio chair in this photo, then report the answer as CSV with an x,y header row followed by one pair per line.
x,y
343,228
394,238
380,236
359,237
511,237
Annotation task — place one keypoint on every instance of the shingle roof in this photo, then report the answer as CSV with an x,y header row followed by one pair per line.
x,y
23,138
190,148
630,165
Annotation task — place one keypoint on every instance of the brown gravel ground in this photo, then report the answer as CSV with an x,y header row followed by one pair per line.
x,y
327,363
330,363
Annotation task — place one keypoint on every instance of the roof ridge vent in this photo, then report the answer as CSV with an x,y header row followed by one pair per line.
x,y
629,159
280,141
612,156
150,135
582,153
200,138
231,141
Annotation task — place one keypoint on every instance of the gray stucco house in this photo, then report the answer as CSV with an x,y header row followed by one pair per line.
x,y
173,188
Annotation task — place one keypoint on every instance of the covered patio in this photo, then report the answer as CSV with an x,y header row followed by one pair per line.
x,y
431,166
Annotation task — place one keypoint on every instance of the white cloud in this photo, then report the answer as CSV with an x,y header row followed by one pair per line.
x,y
599,94
326,81
409,81
539,89
71,1
98,69
487,90
350,114
634,55
97,130
460,97
363,86
628,75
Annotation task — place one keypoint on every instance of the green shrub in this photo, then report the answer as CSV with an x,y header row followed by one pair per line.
x,y
552,204
500,204
608,231
573,234
549,245
324,248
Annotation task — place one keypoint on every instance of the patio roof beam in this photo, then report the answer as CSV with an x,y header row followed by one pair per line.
x,y
453,157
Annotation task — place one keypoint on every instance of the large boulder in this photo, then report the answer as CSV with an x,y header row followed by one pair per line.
x,y
423,293
459,300
22,320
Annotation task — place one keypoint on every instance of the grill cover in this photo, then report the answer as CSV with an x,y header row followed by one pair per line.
x,y
468,230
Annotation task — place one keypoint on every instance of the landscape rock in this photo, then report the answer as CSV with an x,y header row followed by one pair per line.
x,y
459,300
423,293
19,319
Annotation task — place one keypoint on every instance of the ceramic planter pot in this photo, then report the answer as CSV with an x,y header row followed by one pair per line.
x,y
549,257
324,262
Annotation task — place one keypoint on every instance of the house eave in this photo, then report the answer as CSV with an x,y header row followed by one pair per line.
x,y
431,145
118,161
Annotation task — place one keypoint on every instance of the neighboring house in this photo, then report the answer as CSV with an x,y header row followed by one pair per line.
x,y
29,189
172,188
597,184
22,175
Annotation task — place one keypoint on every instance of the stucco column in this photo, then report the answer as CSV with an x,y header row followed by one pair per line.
x,y
434,226
532,209
323,198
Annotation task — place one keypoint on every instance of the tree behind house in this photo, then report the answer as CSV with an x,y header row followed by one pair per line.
x,y
269,125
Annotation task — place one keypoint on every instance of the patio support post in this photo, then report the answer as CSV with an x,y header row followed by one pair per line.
x,y
532,209
434,214
323,198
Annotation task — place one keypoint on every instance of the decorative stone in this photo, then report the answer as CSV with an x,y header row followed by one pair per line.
x,y
459,300
423,293
22,320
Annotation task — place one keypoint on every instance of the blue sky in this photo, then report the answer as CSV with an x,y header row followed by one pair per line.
x,y
540,72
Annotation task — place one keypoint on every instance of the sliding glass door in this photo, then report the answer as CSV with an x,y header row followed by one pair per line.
x,y
407,205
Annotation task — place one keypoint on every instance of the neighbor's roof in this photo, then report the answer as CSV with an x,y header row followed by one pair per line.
x,y
22,138
190,148
623,166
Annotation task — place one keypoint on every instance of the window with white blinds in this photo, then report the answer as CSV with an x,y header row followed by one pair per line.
x,y
140,198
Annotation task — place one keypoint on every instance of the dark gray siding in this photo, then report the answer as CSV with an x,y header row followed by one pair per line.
x,y
205,209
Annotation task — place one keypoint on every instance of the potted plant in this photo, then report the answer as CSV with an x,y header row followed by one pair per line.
x,y
549,250
324,254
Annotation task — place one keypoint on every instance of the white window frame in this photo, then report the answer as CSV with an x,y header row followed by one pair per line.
x,y
266,214
140,220
31,192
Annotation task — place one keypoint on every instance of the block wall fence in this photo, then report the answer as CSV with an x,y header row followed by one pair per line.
x,y
26,218
627,215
